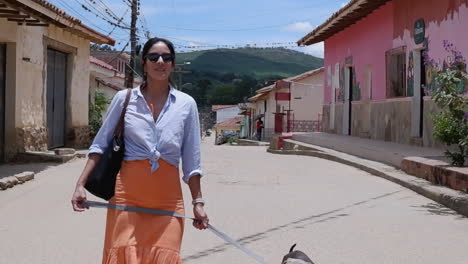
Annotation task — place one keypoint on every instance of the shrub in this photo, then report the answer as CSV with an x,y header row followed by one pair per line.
x,y
95,111
450,125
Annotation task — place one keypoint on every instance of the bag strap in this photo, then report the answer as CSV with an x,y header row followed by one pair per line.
x,y
118,131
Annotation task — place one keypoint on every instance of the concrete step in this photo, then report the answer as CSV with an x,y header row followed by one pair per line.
x,y
248,142
49,156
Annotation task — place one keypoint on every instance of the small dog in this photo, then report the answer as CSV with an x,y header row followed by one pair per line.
x,y
296,257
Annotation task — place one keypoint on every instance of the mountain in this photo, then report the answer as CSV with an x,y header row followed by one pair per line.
x,y
230,76
258,63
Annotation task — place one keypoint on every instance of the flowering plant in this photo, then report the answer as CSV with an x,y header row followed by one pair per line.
x,y
451,124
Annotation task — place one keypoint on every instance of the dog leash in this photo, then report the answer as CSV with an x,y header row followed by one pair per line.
x,y
218,233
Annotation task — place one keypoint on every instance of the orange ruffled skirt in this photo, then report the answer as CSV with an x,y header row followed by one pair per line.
x,y
137,238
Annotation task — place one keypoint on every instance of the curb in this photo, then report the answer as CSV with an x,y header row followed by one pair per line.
x,y
20,178
455,200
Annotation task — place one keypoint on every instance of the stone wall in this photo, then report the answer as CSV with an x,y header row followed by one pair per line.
x,y
361,120
430,108
31,139
26,117
391,121
388,120
79,137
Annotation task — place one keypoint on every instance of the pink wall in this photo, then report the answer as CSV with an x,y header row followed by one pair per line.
x,y
445,20
366,41
392,26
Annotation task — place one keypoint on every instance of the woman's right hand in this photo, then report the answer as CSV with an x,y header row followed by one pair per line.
x,y
79,196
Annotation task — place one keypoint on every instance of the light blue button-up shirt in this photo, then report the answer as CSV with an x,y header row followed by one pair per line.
x,y
175,135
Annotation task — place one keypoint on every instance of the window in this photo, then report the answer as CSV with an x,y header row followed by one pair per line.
x,y
396,72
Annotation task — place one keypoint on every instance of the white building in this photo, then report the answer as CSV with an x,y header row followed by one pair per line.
x,y
225,112
301,96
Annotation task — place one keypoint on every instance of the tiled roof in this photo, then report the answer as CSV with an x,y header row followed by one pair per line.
x,y
113,85
104,54
101,63
47,13
57,10
343,18
233,122
257,97
305,75
219,107
265,90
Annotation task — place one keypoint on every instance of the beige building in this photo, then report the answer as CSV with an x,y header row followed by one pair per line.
x,y
44,77
301,96
227,127
116,59
104,78
108,72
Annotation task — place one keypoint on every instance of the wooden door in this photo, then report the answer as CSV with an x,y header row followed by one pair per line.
x,y
56,97
2,99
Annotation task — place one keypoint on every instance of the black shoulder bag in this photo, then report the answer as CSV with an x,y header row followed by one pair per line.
x,y
101,181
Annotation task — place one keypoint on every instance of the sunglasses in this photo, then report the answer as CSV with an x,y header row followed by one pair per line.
x,y
154,57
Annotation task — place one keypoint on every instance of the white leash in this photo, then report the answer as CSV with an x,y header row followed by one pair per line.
x,y
218,233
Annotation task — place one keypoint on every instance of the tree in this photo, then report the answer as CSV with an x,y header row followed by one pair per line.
x,y
102,47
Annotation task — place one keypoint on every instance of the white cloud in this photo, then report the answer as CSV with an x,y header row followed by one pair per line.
x,y
300,27
315,50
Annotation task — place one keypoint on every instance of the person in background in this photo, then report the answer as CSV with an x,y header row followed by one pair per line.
x,y
259,126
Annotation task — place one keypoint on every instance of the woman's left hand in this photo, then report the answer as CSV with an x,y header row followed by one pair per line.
x,y
201,217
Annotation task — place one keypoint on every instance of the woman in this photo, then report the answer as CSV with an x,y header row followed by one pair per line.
x,y
161,126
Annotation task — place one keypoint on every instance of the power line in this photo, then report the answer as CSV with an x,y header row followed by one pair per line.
x,y
230,30
102,17
126,11
64,4
104,7
89,6
241,29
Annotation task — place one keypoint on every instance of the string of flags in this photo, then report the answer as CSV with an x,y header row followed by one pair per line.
x,y
235,46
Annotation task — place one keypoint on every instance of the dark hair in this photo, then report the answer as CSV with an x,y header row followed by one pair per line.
x,y
148,45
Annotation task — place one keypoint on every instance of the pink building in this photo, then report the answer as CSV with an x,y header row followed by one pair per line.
x,y
375,70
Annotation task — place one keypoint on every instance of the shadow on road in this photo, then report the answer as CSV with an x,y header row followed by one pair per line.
x,y
298,224
11,169
438,209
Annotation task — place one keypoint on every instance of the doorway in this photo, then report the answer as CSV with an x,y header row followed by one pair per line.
x,y
56,97
2,99
348,98
422,93
419,82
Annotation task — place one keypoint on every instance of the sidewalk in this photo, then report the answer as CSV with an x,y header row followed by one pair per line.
x,y
386,152
435,178
30,163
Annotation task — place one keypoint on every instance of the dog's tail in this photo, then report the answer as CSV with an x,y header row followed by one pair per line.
x,y
292,248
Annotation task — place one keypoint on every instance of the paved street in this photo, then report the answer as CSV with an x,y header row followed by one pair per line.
x,y
335,213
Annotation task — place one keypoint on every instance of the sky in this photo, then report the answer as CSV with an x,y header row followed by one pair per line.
x,y
203,24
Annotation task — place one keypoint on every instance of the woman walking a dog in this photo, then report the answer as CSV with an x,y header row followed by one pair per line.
x,y
161,126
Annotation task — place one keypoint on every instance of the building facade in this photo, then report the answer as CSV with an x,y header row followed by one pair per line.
x,y
378,66
44,77
290,105
225,112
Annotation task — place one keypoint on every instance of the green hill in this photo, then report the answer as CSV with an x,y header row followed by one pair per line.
x,y
255,62
230,76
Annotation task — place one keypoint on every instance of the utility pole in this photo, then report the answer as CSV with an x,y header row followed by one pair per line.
x,y
129,73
